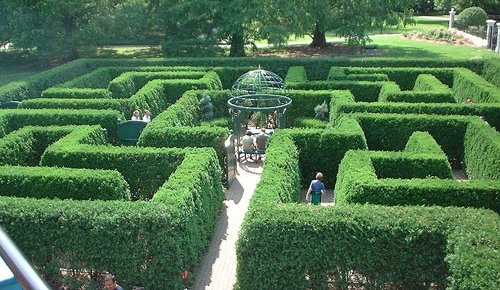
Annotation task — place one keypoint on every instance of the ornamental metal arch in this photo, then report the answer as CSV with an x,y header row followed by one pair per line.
x,y
259,91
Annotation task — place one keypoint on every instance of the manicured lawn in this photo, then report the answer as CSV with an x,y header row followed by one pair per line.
x,y
401,47
12,73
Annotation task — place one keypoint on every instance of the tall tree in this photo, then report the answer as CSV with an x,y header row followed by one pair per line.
x,y
54,28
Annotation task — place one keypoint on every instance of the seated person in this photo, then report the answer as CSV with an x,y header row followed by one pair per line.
x,y
261,140
247,143
147,116
136,115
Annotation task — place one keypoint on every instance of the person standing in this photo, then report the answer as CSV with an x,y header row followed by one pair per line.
x,y
110,283
316,189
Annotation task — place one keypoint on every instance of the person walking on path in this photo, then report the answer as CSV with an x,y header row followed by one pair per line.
x,y
316,189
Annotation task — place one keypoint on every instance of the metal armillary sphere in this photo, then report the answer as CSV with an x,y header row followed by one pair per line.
x,y
259,91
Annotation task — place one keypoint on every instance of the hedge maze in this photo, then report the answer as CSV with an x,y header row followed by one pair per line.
x,y
78,204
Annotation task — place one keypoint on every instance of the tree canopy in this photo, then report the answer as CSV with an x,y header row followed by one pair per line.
x,y
61,28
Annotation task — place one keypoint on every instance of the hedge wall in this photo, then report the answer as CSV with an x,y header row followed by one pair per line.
x,y
145,169
26,145
177,127
481,151
363,91
18,118
97,104
284,245
128,83
390,132
62,183
32,86
76,93
317,69
373,246
405,77
491,71
468,85
304,102
142,238
346,104
322,150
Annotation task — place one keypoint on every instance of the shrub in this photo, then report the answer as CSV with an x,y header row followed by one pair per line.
x,y
310,123
76,93
145,169
472,16
62,183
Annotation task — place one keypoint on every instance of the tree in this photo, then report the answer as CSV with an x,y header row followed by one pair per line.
x,y
54,28
390,12
491,7
188,25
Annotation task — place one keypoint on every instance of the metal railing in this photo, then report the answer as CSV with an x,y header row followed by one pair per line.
x,y
18,264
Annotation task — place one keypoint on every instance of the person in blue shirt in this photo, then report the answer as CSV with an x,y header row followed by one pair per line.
x,y
316,189
110,283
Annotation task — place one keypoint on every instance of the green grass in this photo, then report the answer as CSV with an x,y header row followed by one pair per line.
x,y
131,51
398,46
12,72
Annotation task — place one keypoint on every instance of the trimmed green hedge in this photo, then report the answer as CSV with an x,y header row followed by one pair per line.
x,y
423,142
491,71
366,177
304,102
18,118
482,151
26,145
336,73
144,238
322,150
390,132
177,126
128,83
406,77
428,82
303,246
410,247
62,183
363,91
314,123
145,169
317,69
97,104
468,85
76,93
421,97
32,86
347,104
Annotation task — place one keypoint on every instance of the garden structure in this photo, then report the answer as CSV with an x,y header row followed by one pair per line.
x,y
79,205
259,91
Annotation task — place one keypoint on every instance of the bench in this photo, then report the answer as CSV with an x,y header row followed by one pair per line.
x,y
256,152
10,105
128,132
